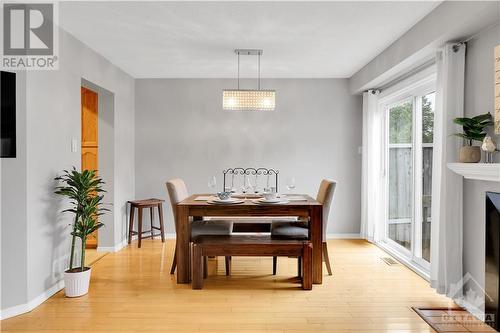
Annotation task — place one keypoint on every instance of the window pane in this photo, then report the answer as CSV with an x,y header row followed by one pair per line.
x,y
400,174
400,196
428,105
400,123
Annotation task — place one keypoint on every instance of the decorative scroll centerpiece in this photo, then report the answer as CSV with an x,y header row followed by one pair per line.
x,y
250,174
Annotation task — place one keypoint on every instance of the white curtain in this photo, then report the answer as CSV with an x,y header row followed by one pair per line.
x,y
446,229
372,167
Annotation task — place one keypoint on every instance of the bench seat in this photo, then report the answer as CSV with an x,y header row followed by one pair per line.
x,y
249,245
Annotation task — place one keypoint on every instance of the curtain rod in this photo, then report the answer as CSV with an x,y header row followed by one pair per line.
x,y
457,45
412,72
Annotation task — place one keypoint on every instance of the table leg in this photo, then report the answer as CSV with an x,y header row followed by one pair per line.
x,y
183,235
316,236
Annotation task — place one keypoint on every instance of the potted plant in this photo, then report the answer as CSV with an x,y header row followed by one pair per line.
x,y
473,130
84,189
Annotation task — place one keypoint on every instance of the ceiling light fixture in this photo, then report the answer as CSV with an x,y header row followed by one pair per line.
x,y
245,99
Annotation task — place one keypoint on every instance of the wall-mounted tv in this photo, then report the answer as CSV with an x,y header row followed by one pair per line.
x,y
7,114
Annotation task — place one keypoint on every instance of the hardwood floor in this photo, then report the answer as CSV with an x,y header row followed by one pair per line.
x,y
132,291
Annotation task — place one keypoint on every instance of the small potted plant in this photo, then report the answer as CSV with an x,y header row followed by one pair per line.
x,y
84,189
473,130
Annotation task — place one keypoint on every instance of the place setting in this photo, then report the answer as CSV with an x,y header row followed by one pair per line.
x,y
265,195
224,198
271,198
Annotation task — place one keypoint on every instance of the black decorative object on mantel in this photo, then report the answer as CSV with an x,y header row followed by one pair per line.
x,y
250,172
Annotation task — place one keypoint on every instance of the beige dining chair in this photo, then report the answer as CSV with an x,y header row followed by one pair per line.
x,y
177,192
299,229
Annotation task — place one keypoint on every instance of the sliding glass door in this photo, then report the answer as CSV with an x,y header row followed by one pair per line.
x,y
409,148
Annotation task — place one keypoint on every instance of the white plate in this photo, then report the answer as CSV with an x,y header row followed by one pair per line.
x,y
225,202
277,201
247,195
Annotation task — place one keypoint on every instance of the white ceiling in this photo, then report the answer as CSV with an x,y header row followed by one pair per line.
x,y
196,39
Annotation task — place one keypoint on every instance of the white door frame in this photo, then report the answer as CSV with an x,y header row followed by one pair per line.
x,y
413,88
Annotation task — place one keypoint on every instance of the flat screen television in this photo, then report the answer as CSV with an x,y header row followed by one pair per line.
x,y
7,114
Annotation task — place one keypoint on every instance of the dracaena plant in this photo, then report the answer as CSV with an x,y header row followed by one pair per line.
x,y
85,192
474,128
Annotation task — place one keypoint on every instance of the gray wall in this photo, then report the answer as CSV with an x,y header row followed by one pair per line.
x,y
451,20
315,132
479,98
14,250
37,235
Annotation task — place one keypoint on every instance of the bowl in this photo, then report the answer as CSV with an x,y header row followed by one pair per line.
x,y
270,195
224,195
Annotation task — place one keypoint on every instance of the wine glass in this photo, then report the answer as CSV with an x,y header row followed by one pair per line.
x,y
212,182
247,185
290,184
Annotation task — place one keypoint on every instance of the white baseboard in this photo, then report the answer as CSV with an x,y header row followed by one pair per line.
x,y
27,307
115,248
124,243
343,236
474,310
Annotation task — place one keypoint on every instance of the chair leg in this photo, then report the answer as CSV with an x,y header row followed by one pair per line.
x,y
326,259
160,217
228,265
131,224
139,227
299,267
275,263
174,262
151,217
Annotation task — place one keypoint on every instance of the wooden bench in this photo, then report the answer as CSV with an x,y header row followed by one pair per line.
x,y
250,245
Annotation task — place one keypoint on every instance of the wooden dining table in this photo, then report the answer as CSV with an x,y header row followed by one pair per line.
x,y
307,208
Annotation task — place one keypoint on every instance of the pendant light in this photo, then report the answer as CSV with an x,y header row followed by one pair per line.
x,y
245,99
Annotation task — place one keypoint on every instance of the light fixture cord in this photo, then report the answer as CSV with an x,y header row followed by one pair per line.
x,y
238,71
259,70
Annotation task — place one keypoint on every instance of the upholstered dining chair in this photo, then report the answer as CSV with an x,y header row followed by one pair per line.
x,y
177,192
299,229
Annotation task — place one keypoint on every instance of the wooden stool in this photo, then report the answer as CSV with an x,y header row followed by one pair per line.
x,y
140,205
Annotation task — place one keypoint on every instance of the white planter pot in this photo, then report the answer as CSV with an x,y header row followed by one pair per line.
x,y
76,283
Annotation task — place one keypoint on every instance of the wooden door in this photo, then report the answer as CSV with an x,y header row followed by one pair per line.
x,y
90,142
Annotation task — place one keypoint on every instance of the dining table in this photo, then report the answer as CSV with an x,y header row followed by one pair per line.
x,y
198,206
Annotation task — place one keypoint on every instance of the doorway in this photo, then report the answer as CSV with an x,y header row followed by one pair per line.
x,y
409,131
90,142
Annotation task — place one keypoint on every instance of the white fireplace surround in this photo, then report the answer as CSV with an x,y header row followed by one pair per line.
x,y
478,171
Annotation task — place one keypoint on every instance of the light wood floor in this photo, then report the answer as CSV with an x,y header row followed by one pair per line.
x,y
132,291
92,256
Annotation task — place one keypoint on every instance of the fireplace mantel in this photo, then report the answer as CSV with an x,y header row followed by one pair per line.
x,y
478,171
